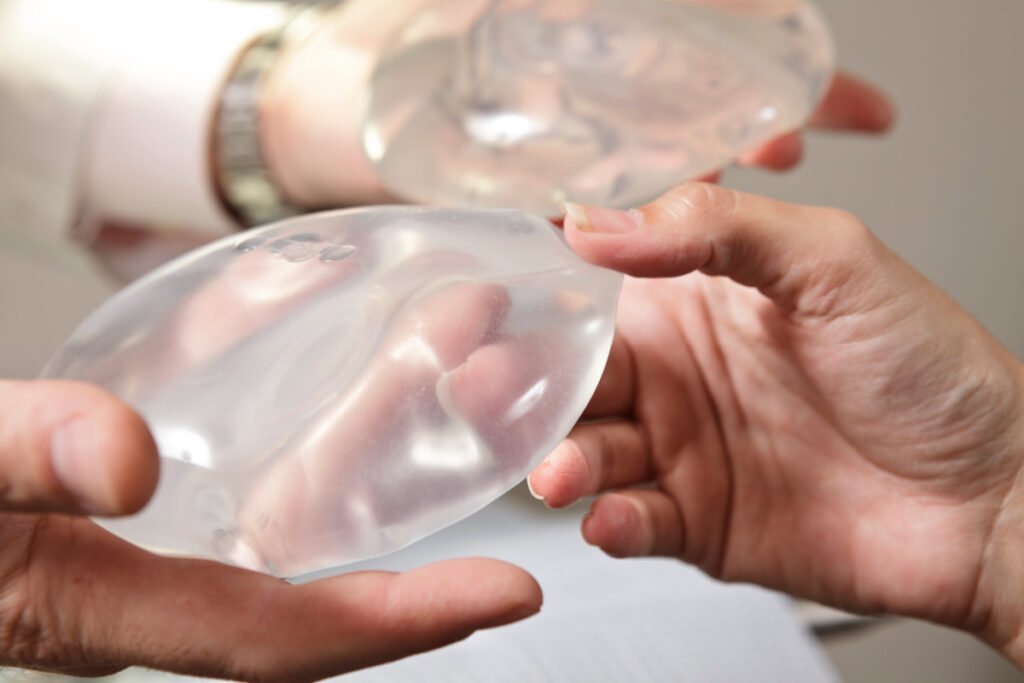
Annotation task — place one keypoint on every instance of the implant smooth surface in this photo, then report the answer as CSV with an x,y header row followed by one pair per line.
x,y
333,387
530,103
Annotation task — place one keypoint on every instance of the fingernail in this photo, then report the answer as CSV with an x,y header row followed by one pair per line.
x,y
602,220
529,487
73,451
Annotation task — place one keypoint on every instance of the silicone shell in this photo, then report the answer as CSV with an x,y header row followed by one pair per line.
x,y
333,387
532,103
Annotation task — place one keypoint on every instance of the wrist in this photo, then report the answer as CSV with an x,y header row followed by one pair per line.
x,y
247,189
310,108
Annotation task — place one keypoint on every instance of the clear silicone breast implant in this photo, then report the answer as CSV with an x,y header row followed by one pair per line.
x,y
333,387
529,103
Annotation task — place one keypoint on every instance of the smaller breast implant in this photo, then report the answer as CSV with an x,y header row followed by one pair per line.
x,y
531,103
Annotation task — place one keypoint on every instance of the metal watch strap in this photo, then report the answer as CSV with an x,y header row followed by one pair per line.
x,y
245,184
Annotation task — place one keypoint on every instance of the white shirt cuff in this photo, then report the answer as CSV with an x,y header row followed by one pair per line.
x,y
148,151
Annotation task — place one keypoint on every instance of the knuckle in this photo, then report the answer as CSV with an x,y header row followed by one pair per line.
x,y
696,201
849,232
848,251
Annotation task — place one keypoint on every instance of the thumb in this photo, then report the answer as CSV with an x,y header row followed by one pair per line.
x,y
71,447
799,256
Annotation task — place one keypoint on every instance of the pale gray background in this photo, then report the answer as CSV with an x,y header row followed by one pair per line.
x,y
944,190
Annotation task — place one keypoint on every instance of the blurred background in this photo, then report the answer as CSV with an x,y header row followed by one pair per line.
x,y
944,190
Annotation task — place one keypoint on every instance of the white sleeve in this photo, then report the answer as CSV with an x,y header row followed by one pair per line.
x,y
106,109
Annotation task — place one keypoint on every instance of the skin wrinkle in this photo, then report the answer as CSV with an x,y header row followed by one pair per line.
x,y
826,296
634,375
638,384
22,631
711,564
712,255
961,435
886,390
775,461
712,199
780,335
246,657
827,303
929,502
737,411
607,465
241,659
716,253
986,620
646,447
979,623
848,446
880,474
75,629
607,458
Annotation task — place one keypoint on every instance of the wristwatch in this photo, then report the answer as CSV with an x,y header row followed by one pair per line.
x,y
246,188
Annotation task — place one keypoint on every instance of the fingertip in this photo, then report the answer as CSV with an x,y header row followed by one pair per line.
x,y
780,154
73,447
472,593
562,478
853,104
712,178
130,458
611,525
883,114
103,452
519,590
876,113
